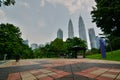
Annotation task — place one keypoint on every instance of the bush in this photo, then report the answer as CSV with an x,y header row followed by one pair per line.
x,y
92,51
113,44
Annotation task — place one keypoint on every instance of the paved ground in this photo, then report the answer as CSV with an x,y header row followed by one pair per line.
x,y
60,69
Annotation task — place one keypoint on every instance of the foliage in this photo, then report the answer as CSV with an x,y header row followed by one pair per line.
x,y
106,16
26,52
75,42
94,50
9,39
59,48
55,49
70,43
11,42
7,2
114,55
37,53
113,43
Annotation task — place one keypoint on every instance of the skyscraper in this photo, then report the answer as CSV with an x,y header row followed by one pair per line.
x,y
98,42
26,42
70,29
82,31
34,46
60,34
92,38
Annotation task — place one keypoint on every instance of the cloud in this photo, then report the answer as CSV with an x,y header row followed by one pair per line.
x,y
41,23
72,5
2,15
25,4
88,4
42,3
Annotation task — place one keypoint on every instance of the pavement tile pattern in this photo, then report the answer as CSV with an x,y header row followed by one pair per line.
x,y
20,63
60,69
39,74
101,73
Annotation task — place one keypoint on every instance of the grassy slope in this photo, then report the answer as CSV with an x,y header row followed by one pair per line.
x,y
114,55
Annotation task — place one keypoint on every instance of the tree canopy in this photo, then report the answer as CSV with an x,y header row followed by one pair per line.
x,y
11,42
106,14
58,47
7,2
75,42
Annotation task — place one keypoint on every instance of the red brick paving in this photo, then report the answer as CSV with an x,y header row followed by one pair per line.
x,y
59,73
109,74
90,69
14,76
57,76
50,74
104,78
37,73
46,78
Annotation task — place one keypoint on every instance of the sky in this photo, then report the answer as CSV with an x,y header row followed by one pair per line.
x,y
39,20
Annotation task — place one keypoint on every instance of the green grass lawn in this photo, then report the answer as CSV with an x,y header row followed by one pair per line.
x,y
114,55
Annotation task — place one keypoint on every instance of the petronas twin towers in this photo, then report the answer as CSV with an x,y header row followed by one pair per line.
x,y
70,29
82,31
81,26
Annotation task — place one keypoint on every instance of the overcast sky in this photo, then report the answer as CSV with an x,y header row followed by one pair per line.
x,y
39,20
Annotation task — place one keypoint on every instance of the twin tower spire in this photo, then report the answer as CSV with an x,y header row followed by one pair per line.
x,y
82,31
81,27
70,29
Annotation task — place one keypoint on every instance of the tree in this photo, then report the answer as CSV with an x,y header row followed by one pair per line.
x,y
106,16
75,42
70,43
113,43
57,46
7,2
10,39
11,42
25,51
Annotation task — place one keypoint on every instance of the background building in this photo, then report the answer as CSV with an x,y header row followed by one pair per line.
x,y
60,34
34,46
26,42
82,31
70,29
41,45
98,42
92,38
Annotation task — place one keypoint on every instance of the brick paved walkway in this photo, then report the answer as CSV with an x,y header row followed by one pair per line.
x,y
60,69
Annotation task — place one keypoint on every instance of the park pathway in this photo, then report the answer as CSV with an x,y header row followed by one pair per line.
x,y
60,69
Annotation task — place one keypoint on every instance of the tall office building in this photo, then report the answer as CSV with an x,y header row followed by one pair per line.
x,y
70,29
41,45
82,31
60,34
98,42
92,38
34,46
26,42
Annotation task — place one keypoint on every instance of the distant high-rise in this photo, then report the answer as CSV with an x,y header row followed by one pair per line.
x,y
92,38
82,31
70,29
34,46
41,45
26,42
60,34
98,42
